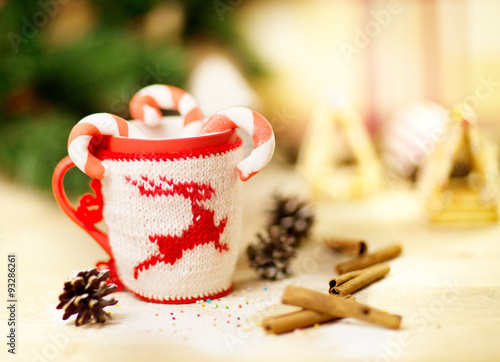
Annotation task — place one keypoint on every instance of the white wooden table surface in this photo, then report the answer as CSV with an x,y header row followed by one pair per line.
x,y
446,285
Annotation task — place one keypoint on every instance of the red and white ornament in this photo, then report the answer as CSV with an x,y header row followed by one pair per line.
x,y
410,135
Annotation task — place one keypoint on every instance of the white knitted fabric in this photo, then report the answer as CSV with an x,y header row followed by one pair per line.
x,y
134,218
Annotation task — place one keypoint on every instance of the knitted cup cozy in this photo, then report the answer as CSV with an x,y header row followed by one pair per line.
x,y
173,220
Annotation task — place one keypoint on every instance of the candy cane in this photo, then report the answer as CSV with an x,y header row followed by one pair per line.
x,y
82,133
146,104
256,126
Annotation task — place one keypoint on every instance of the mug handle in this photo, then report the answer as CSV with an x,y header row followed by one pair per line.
x,y
86,215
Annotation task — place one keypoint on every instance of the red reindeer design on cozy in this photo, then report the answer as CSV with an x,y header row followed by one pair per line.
x,y
202,230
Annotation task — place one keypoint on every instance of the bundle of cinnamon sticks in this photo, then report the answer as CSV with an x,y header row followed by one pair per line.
x,y
354,274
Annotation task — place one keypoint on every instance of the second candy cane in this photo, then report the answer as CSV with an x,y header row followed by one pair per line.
x,y
256,126
146,105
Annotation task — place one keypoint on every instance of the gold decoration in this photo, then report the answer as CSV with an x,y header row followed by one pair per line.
x,y
337,155
459,179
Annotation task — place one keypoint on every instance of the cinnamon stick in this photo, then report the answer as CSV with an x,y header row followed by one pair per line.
x,y
350,282
365,261
299,319
342,278
337,306
347,246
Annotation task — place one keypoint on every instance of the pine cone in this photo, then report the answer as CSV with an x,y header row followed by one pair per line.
x,y
270,257
296,217
83,295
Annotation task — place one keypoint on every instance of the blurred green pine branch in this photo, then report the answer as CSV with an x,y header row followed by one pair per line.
x,y
46,89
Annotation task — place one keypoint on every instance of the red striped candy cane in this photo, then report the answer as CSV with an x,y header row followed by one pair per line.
x,y
147,103
82,133
256,126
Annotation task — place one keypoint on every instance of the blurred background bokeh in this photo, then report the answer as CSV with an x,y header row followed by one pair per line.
x,y
61,60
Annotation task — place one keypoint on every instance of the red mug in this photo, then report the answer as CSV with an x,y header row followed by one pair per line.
x,y
172,210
